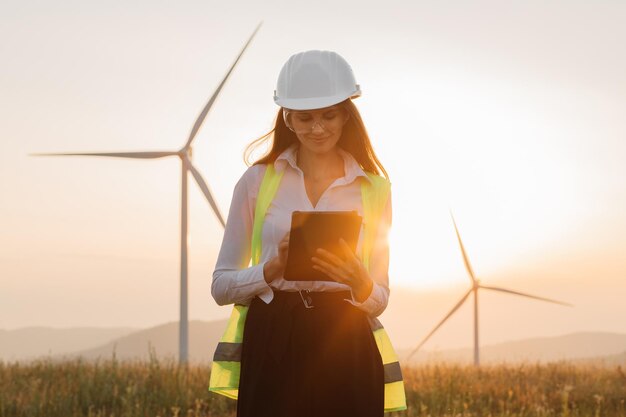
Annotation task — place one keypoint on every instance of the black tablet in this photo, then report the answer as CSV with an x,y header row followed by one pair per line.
x,y
318,229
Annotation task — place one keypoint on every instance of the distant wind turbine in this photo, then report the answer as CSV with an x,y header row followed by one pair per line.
x,y
185,155
475,286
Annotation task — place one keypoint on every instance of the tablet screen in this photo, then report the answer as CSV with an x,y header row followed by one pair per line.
x,y
318,229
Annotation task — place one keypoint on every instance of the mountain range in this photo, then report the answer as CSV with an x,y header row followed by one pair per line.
x,y
32,343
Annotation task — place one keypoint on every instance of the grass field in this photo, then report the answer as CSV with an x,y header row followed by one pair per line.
x,y
162,388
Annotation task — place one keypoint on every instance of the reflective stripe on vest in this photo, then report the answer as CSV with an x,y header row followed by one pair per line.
x,y
226,365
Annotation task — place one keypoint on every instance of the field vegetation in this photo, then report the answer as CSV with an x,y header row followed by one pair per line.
x,y
163,388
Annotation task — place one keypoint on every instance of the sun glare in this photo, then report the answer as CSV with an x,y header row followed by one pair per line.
x,y
477,147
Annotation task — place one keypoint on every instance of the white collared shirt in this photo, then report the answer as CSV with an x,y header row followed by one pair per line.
x,y
234,281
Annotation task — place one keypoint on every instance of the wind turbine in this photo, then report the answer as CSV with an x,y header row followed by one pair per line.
x,y
185,155
474,288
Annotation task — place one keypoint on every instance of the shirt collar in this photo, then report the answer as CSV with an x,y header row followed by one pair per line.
x,y
352,168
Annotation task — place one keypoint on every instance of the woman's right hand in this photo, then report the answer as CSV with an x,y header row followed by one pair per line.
x,y
275,267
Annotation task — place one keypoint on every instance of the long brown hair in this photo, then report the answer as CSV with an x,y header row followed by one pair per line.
x,y
354,139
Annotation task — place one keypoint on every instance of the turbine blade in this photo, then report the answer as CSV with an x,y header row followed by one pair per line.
x,y
525,295
456,307
207,193
142,155
468,267
207,107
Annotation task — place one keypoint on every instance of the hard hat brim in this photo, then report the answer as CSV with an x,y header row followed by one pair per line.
x,y
311,103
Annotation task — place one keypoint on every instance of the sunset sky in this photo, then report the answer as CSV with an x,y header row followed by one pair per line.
x,y
510,114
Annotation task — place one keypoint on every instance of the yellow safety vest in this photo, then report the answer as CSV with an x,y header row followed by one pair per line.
x,y
226,364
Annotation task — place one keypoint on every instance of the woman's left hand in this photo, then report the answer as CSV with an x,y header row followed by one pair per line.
x,y
350,271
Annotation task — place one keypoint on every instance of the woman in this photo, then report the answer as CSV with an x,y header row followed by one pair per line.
x,y
307,348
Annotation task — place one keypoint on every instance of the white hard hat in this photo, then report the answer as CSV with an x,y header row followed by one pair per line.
x,y
315,79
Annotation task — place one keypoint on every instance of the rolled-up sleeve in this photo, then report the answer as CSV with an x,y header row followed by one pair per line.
x,y
234,281
376,302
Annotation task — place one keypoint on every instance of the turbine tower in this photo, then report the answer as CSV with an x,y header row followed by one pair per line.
x,y
185,154
474,288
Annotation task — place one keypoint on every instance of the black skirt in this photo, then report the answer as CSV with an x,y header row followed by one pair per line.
x,y
305,362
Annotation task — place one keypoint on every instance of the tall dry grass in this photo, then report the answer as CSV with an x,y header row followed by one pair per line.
x,y
554,389
162,388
